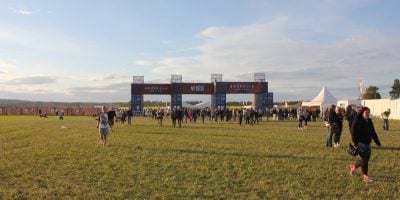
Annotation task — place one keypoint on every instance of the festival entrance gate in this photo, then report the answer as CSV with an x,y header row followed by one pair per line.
x,y
217,89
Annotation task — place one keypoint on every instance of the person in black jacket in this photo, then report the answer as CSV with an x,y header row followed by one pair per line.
x,y
174,115
179,116
240,112
339,122
350,115
332,120
362,132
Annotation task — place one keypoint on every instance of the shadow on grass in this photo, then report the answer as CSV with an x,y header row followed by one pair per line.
x,y
387,148
188,134
145,125
184,126
213,127
161,133
391,131
253,156
387,179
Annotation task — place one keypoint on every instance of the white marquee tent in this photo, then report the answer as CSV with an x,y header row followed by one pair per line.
x,y
187,105
323,99
206,104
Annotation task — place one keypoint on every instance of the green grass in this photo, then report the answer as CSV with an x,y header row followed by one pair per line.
x,y
273,160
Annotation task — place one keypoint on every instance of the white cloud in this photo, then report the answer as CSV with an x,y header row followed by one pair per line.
x,y
288,48
5,70
103,77
167,42
269,47
102,93
44,40
296,68
144,62
34,80
35,94
6,64
24,12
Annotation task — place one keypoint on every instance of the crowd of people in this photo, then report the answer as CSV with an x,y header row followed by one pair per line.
x,y
242,116
107,118
362,133
359,123
178,116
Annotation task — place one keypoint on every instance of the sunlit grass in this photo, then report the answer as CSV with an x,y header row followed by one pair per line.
x,y
41,160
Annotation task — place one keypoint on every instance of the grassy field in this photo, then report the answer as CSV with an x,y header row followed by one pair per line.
x,y
41,160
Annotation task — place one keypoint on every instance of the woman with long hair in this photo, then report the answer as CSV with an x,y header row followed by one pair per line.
x,y
362,132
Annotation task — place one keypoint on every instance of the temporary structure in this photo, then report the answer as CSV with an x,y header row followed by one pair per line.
x,y
378,106
348,102
206,104
395,109
187,105
323,99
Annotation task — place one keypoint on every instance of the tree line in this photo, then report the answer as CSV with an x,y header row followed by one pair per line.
x,y
372,91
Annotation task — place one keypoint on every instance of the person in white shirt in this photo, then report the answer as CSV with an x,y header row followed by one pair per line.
x,y
103,126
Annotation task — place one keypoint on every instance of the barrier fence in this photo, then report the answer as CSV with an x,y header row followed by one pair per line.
x,y
50,111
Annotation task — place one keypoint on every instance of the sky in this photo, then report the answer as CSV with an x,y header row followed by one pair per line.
x,y
90,50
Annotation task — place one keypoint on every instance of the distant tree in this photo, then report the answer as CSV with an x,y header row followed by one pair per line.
x,y
395,93
372,93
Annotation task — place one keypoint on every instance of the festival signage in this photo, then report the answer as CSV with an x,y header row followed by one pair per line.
x,y
151,88
197,88
217,90
242,87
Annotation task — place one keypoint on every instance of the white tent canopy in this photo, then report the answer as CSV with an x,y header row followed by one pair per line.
x,y
187,105
323,99
203,105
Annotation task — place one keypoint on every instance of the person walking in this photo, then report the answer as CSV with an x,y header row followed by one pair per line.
x,y
339,122
240,112
160,116
252,114
350,115
180,117
331,125
173,117
129,113
111,117
385,116
300,117
306,116
123,116
103,126
202,115
362,133
246,114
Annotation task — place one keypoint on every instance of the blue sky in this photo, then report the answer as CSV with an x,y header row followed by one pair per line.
x,y
89,50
